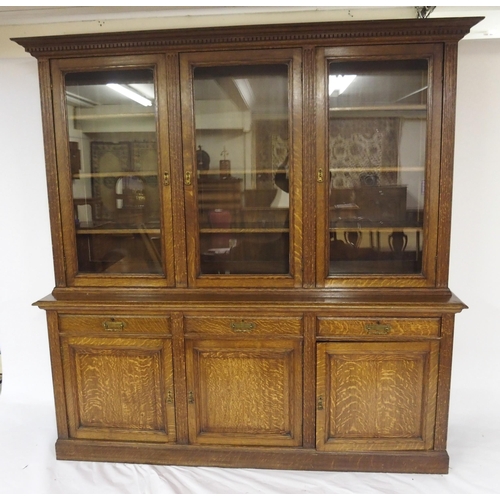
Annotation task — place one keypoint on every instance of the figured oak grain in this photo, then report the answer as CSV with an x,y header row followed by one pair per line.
x,y
376,396
308,386
119,388
364,327
245,392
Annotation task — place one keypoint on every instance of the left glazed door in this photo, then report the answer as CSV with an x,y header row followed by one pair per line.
x,y
112,155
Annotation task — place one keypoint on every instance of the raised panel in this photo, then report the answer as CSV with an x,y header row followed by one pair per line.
x,y
376,396
119,388
243,392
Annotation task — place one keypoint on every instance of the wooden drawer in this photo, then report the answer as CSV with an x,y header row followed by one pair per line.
x,y
76,323
378,327
247,325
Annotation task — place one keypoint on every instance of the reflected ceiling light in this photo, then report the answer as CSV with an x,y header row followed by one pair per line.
x,y
121,89
338,83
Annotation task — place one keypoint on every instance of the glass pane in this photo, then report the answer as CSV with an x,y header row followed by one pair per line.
x,y
377,140
114,166
242,131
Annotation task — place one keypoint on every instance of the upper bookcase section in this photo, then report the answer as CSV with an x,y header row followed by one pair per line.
x,y
273,156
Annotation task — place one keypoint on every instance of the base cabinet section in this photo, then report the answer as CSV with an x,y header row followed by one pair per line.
x,y
376,395
309,390
119,389
244,392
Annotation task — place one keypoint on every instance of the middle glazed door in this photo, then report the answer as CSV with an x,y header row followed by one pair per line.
x,y
242,142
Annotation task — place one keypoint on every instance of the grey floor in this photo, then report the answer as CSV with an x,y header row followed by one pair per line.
x,y
28,464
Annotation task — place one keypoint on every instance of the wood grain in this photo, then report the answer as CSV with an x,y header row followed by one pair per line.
x,y
305,370
117,388
245,392
376,396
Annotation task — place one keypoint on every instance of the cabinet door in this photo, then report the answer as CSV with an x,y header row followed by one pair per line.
x,y
376,396
244,392
113,170
242,154
378,178
119,388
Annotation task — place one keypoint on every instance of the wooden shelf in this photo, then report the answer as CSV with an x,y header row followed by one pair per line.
x,y
378,169
102,175
245,230
377,229
156,232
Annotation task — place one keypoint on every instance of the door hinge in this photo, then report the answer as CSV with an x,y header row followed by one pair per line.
x,y
320,403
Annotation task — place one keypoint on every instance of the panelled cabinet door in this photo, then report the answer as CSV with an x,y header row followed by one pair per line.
x,y
119,388
113,167
242,138
244,392
376,396
378,140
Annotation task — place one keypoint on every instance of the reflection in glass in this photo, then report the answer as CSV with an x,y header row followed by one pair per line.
x,y
242,134
114,166
377,147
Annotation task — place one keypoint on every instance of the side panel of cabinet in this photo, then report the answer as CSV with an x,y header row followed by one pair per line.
x,y
119,388
245,392
376,396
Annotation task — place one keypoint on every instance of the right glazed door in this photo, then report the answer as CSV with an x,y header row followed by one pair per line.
x,y
379,158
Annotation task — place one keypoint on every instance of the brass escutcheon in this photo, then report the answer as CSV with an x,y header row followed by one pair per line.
x,y
170,398
320,175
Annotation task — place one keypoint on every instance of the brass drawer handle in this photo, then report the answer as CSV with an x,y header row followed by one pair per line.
x,y
242,326
377,329
113,326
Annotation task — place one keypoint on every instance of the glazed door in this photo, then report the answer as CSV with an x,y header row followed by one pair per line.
x,y
242,155
379,166
376,395
113,166
244,392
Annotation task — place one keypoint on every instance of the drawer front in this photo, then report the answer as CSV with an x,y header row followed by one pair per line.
x,y
379,327
247,325
76,323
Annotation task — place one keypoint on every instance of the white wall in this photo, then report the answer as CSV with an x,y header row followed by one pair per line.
x,y
475,251
26,269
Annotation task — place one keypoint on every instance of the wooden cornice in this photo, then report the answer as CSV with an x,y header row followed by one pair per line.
x,y
319,34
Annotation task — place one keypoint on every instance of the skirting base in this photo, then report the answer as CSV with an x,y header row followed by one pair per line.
x,y
427,462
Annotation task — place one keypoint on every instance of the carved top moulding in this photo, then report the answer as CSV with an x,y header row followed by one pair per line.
x,y
319,34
